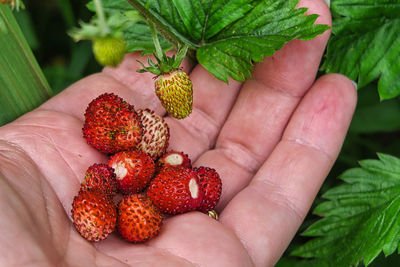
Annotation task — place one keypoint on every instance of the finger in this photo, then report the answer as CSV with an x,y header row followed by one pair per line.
x,y
137,89
268,212
263,108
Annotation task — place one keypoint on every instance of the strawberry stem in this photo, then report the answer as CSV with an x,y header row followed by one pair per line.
x,y
102,18
159,52
164,63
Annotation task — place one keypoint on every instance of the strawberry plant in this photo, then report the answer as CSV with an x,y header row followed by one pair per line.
x,y
360,221
365,43
225,35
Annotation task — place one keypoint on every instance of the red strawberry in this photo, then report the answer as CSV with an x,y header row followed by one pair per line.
x,y
211,185
94,215
134,170
175,190
174,159
138,219
111,124
155,134
100,177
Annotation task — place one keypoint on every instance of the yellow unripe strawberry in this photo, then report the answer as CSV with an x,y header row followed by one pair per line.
x,y
175,92
109,51
173,86
5,2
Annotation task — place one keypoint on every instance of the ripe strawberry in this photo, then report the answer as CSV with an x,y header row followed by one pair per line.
x,y
109,51
175,91
111,124
175,190
100,177
94,214
174,159
134,170
211,185
138,219
155,134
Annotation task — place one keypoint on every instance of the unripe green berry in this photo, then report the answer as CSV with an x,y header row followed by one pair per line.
x,y
109,51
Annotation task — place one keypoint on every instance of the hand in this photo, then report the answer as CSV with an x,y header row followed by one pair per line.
x,y
273,139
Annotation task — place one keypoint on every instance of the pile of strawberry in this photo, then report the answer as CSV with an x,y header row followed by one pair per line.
x,y
151,182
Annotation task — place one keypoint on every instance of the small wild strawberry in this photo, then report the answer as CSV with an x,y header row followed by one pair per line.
x,y
134,170
211,185
172,86
174,159
111,124
175,190
155,134
109,50
94,214
100,177
175,91
138,219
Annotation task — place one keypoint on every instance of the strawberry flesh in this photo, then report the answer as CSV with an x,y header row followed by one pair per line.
x,y
175,190
211,185
174,159
134,170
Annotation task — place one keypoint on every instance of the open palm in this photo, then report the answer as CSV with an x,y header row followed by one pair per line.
x,y
273,139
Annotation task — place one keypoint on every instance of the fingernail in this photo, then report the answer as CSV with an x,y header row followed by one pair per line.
x,y
328,2
355,84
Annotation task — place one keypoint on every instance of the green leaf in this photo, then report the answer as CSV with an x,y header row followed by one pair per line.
x,y
112,6
366,43
361,217
23,86
138,38
227,35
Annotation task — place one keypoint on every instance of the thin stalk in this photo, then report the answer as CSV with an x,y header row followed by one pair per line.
x,y
159,52
102,18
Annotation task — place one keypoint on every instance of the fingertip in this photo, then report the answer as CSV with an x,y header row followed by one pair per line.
x,y
347,87
323,117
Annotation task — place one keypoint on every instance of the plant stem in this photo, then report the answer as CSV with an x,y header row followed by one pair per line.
x,y
102,18
157,45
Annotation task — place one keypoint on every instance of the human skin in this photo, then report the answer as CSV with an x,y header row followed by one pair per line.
x,y
273,140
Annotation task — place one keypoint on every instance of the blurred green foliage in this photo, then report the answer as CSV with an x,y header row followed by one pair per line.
x,y
45,25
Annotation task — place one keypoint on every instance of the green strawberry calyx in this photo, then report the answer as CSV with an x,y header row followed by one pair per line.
x,y
164,64
104,26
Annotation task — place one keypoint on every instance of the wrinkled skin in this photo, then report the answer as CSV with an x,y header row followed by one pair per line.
x,y
273,139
